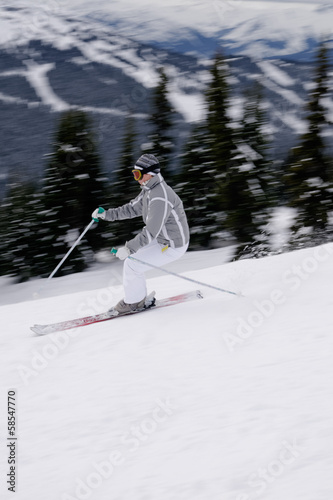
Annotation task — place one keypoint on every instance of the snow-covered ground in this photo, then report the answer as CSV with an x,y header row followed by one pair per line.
x,y
223,398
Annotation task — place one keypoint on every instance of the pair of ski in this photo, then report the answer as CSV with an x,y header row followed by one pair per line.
x,y
151,303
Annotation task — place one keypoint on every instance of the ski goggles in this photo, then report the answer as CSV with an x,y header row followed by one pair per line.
x,y
137,174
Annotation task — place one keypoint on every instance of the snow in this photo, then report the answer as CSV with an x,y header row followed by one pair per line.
x,y
287,94
256,28
289,119
50,25
326,102
14,100
279,226
192,107
108,35
276,73
143,72
244,25
218,398
37,77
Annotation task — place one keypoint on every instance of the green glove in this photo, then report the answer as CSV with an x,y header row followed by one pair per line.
x,y
97,214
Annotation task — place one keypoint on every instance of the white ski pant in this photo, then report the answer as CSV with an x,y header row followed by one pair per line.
x,y
133,272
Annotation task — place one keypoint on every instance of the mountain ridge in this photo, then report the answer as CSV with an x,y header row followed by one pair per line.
x,y
54,63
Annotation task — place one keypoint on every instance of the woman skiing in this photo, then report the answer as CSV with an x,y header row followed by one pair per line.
x,y
163,239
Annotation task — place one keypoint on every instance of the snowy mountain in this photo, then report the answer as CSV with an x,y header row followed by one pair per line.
x,y
257,28
219,398
68,64
57,55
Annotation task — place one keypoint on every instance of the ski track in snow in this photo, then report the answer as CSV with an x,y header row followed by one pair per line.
x,y
219,398
37,77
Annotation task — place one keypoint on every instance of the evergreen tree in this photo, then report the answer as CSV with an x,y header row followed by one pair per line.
x,y
206,161
219,138
4,236
219,144
160,140
242,198
73,187
308,177
226,183
252,134
249,192
195,186
19,225
124,187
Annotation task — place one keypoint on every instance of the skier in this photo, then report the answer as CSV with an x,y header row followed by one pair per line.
x,y
164,238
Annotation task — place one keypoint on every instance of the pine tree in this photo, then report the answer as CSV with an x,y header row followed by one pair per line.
x,y
308,177
219,139
219,143
160,140
252,134
194,186
19,225
250,187
124,187
242,199
73,187
206,162
226,182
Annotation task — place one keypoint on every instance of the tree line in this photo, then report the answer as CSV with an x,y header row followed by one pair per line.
x,y
228,181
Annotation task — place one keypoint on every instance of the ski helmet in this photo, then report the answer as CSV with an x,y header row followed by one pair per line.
x,y
146,164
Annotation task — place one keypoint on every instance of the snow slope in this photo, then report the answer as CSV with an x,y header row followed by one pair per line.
x,y
223,398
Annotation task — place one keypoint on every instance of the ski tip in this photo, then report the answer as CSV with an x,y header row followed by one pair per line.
x,y
199,294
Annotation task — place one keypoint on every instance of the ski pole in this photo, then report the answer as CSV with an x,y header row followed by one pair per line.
x,y
70,250
100,210
114,251
36,294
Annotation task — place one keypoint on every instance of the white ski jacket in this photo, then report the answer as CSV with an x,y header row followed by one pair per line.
x,y
162,212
